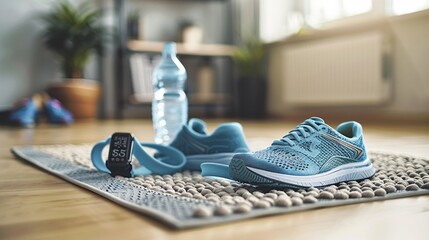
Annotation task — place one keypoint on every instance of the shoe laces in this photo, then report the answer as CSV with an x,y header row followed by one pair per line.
x,y
302,131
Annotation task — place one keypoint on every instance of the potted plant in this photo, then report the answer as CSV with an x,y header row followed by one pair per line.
x,y
252,84
73,34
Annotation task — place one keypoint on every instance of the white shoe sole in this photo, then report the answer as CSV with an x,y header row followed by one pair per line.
x,y
346,172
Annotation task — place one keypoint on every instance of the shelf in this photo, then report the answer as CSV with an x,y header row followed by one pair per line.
x,y
193,99
219,103
196,99
209,50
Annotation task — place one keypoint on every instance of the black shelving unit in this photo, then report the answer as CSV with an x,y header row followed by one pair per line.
x,y
217,56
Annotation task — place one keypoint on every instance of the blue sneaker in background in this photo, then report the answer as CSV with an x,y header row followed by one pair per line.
x,y
56,113
199,146
312,154
24,113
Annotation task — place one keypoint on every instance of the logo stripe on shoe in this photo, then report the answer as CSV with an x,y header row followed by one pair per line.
x,y
358,151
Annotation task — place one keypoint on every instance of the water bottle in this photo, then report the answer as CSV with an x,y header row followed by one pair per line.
x,y
169,105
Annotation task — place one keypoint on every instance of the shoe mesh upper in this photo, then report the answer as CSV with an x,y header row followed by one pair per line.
x,y
328,149
227,138
297,159
283,158
306,145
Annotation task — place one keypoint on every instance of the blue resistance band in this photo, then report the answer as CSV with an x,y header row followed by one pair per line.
x,y
172,161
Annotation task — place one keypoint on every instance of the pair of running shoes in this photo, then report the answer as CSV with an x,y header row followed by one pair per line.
x,y
311,155
27,111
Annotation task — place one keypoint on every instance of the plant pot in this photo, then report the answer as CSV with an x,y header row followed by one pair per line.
x,y
252,92
79,96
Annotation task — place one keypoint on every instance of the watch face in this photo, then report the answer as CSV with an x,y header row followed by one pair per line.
x,y
120,148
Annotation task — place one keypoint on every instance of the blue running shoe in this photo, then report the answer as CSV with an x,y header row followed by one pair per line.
x,y
200,147
24,114
312,154
56,113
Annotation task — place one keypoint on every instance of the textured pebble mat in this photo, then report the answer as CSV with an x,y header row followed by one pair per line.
x,y
186,199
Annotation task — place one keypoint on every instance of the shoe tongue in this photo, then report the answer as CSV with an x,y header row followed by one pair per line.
x,y
317,119
198,126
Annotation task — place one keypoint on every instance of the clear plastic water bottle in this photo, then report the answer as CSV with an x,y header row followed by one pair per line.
x,y
169,105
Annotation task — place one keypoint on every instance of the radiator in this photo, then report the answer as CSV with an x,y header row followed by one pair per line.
x,y
345,70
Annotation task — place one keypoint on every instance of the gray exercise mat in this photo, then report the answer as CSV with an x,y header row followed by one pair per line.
x,y
186,199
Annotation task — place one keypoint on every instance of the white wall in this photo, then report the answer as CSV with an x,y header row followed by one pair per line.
x,y
411,66
410,74
26,66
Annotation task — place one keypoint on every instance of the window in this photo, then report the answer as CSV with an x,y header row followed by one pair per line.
x,y
398,7
322,11
280,18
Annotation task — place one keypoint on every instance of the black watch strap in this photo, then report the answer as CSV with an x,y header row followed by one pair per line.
x,y
124,170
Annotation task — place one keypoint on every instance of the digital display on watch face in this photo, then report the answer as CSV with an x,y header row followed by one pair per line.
x,y
120,148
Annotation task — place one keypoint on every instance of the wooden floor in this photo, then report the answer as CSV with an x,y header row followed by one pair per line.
x,y
36,205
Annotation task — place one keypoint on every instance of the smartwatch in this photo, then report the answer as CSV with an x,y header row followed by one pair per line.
x,y
122,148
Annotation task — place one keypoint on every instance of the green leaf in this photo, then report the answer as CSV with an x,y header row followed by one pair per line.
x,y
73,33
250,58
